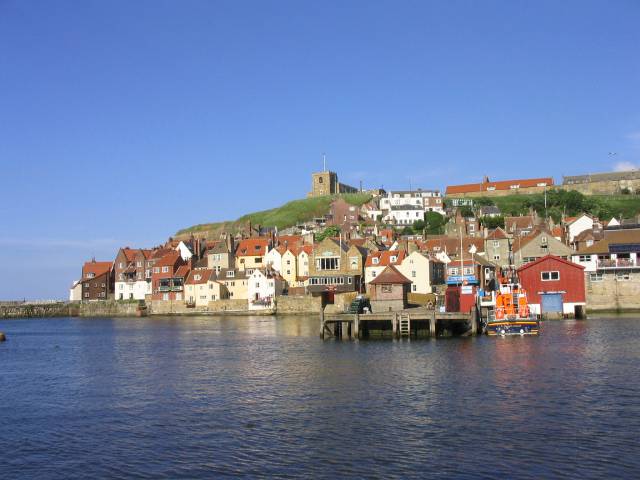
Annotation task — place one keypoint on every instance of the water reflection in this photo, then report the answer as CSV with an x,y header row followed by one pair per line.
x,y
258,396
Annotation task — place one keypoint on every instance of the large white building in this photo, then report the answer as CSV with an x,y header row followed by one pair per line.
x,y
406,207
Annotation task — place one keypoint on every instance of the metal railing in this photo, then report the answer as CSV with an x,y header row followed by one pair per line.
x,y
617,263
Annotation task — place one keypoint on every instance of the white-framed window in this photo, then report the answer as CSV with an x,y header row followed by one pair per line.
x,y
453,271
496,243
623,276
414,287
413,274
584,258
595,277
156,269
496,257
165,269
231,273
121,265
553,275
139,264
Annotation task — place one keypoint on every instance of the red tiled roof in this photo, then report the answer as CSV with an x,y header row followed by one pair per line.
x,y
390,275
168,259
205,275
497,234
384,258
97,268
182,271
252,247
501,185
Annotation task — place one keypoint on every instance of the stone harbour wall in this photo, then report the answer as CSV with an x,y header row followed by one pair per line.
x,y
108,308
26,310
298,304
611,294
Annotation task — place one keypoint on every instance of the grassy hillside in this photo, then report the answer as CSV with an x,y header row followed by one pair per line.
x,y
285,216
569,203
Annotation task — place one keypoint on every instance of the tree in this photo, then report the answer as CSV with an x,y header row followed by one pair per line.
x,y
492,222
332,231
466,211
418,226
434,223
407,231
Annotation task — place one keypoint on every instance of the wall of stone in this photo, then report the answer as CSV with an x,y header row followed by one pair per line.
x,y
606,187
341,302
298,304
382,306
500,193
109,308
610,294
38,310
230,305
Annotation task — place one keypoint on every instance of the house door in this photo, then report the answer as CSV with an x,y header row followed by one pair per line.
x,y
329,297
551,303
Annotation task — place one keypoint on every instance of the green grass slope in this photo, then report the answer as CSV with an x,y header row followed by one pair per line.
x,y
287,215
569,203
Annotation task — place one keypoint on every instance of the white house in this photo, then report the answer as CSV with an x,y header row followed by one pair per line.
x,y
423,271
303,260
75,292
405,214
185,253
377,261
264,286
578,225
273,258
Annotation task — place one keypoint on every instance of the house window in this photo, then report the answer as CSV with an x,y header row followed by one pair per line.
x,y
86,294
165,269
197,277
231,273
496,257
550,276
414,288
453,271
413,274
595,277
349,280
121,265
386,288
156,269
331,263
91,275
139,264
622,276
165,296
375,260
496,243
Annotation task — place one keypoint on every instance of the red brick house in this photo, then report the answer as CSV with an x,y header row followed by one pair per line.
x,y
554,285
167,277
97,280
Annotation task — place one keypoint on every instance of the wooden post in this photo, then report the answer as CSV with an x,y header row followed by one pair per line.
x,y
322,323
394,324
356,326
345,329
474,321
432,325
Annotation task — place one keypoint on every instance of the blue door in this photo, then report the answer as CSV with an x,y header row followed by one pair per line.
x,y
551,302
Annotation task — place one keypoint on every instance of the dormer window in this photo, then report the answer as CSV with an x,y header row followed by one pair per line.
x,y
491,189
514,187
197,277
393,259
231,273
375,260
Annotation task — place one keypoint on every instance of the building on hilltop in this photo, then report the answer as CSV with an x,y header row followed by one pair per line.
x,y
500,188
603,183
326,183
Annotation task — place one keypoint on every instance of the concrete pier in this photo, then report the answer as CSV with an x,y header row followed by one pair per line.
x,y
350,326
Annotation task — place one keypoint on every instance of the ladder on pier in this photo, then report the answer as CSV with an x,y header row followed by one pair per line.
x,y
405,325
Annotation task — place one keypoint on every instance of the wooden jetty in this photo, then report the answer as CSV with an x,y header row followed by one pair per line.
x,y
417,322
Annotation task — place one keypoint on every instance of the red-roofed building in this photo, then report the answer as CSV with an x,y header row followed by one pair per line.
x,y
377,262
504,187
97,280
168,276
132,273
389,290
250,252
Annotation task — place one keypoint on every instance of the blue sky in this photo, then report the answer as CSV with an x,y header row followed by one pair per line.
x,y
121,122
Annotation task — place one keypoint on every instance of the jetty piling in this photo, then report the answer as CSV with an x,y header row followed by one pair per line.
x,y
402,324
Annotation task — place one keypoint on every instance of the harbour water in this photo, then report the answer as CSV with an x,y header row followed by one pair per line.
x,y
251,397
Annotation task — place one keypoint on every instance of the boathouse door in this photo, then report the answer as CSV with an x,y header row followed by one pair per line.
x,y
551,303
